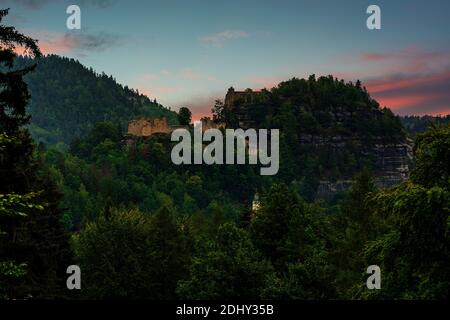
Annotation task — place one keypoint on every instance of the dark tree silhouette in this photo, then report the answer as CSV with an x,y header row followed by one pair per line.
x,y
184,116
34,246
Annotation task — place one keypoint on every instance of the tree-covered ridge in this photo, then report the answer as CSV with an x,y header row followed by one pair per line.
x,y
101,167
33,243
144,228
69,98
323,106
329,129
419,124
289,248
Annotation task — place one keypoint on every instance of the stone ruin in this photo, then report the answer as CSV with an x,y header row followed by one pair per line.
x,y
146,127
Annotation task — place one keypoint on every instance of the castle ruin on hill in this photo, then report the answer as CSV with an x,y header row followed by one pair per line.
x,y
146,127
238,103
391,160
233,97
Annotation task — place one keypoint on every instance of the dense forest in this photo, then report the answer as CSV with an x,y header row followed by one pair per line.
x,y
67,99
140,227
419,124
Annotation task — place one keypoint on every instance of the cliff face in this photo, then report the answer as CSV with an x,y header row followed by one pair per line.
x,y
331,130
391,167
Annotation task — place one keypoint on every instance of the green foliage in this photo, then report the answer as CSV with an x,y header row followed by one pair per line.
x,y
10,271
140,173
281,216
291,248
17,205
69,99
432,153
328,128
226,267
419,124
112,254
14,207
33,246
414,252
219,111
293,236
145,228
354,225
126,254
13,95
184,116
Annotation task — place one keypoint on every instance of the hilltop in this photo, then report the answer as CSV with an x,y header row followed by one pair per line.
x,y
330,130
68,99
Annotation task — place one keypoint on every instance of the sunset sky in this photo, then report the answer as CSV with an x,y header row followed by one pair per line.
x,y
188,52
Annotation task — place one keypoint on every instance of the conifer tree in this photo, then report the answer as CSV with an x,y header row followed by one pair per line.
x,y
34,245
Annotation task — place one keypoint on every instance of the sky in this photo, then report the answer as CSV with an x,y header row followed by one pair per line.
x,y
189,52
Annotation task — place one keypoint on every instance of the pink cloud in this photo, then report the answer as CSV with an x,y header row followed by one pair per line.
x,y
414,93
72,43
403,101
373,56
411,80
51,42
391,84
410,53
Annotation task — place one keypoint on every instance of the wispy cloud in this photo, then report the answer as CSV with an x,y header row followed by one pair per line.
x,y
408,60
38,4
79,44
30,4
413,94
98,3
219,39
410,80
406,54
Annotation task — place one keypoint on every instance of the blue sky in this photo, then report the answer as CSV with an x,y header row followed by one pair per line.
x,y
187,53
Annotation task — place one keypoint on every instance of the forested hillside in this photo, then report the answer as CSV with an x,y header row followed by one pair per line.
x,y
419,124
141,227
69,98
34,246
316,144
330,130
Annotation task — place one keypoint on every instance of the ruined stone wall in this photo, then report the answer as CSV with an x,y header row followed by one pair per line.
x,y
234,98
240,103
145,127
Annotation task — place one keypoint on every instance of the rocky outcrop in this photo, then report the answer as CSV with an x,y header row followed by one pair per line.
x,y
339,127
392,167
